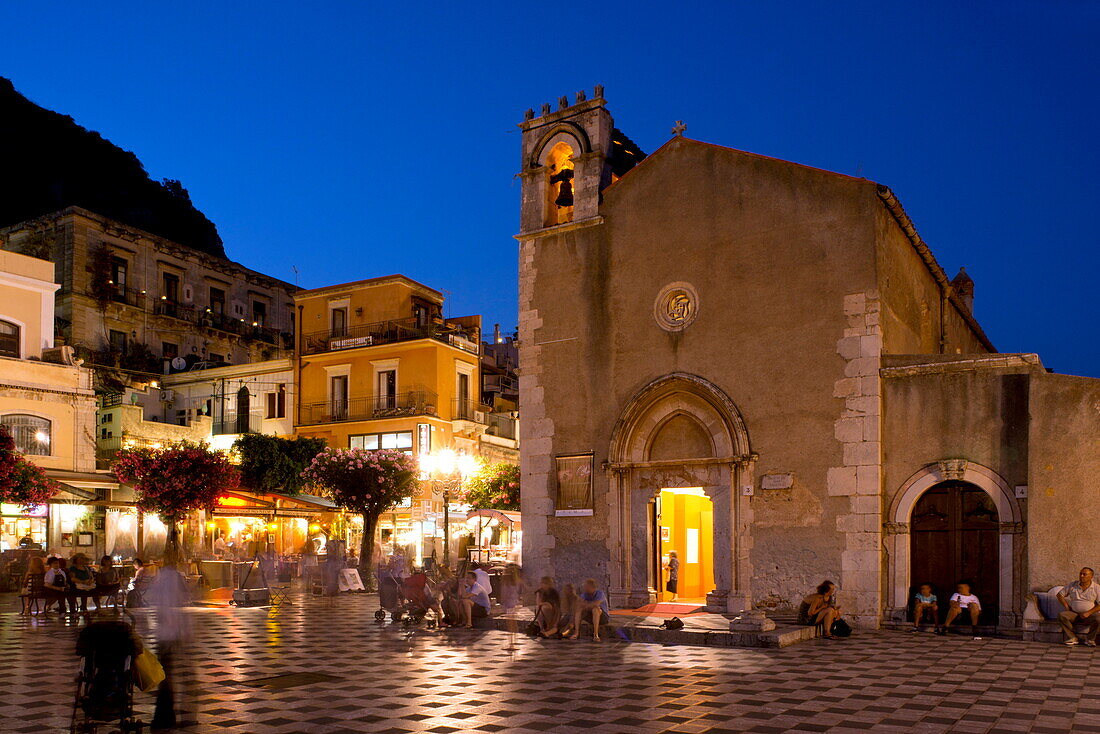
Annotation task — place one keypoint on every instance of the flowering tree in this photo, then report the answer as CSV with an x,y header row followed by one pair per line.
x,y
176,480
21,482
366,482
493,487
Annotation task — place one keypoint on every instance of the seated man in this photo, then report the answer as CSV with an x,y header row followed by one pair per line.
x,y
1081,598
55,584
925,602
963,600
473,601
592,605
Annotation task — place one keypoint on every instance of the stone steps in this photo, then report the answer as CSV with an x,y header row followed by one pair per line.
x,y
783,635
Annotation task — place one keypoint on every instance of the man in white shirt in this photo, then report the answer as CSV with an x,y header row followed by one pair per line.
x,y
963,601
1081,598
483,580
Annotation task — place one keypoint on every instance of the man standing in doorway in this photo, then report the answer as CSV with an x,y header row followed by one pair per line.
x,y
1081,599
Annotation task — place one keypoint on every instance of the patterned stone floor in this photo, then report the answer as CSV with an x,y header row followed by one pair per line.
x,y
386,679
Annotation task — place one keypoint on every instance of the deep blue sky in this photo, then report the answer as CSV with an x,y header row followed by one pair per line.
x,y
359,139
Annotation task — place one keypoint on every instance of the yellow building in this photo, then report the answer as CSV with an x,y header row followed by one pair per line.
x,y
379,367
48,405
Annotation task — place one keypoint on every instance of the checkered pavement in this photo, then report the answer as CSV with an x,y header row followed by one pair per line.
x,y
382,678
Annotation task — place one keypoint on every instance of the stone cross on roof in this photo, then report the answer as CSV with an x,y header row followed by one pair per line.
x,y
678,128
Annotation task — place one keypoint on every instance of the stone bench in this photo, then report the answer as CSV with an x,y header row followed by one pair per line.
x,y
1041,617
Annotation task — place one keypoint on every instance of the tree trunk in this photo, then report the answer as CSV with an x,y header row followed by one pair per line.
x,y
172,542
366,551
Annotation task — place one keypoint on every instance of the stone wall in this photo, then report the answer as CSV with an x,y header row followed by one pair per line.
x,y
858,476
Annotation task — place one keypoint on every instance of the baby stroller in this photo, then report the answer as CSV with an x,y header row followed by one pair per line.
x,y
105,683
389,598
405,600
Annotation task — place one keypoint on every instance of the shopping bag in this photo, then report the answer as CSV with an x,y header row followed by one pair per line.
x,y
148,673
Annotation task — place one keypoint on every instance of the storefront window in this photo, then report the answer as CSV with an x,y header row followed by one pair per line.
x,y
402,440
19,529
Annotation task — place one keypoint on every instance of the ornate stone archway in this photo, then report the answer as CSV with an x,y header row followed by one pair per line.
x,y
1010,546
715,456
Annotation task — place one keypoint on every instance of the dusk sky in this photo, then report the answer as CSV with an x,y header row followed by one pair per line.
x,y
351,140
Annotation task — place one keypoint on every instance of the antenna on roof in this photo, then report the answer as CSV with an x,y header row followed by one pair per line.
x,y
295,269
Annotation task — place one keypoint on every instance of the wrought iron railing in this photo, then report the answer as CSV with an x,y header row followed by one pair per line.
x,y
388,332
245,423
415,402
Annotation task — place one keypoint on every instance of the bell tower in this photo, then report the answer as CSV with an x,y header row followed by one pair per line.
x,y
567,161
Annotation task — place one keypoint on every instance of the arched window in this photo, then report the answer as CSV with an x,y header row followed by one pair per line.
x,y
31,433
9,339
244,401
559,165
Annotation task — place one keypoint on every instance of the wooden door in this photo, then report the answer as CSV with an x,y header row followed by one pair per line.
x,y
954,531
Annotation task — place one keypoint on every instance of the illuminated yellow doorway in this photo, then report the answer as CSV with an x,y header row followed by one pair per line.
x,y
685,522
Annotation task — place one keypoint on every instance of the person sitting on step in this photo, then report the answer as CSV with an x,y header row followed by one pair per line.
x,y
591,605
925,603
820,608
962,600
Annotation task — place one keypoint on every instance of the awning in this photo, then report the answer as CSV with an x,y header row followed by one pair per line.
x,y
308,500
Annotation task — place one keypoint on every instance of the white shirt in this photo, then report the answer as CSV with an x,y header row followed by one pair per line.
x,y
483,581
965,601
55,577
1080,599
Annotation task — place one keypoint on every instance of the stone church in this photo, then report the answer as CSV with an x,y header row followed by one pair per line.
x,y
761,366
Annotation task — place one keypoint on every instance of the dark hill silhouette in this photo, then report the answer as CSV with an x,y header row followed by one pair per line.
x,y
50,163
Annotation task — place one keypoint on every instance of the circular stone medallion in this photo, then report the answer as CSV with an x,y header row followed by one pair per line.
x,y
676,306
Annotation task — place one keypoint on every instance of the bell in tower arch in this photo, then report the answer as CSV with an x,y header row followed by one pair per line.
x,y
564,179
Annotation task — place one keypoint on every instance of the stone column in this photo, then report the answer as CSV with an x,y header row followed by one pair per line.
x,y
897,548
620,537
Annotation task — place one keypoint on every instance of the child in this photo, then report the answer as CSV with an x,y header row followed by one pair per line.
x,y
961,600
923,602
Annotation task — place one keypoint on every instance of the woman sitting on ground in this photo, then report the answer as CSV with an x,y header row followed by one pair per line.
x,y
547,607
569,602
36,570
820,608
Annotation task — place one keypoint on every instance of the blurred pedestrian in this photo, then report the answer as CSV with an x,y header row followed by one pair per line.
x,y
168,594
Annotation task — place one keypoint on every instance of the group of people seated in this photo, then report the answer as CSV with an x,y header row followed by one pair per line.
x,y
963,603
69,583
560,614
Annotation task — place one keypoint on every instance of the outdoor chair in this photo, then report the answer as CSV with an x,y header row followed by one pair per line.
x,y
35,593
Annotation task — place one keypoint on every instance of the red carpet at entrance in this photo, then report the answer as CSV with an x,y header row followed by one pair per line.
x,y
670,609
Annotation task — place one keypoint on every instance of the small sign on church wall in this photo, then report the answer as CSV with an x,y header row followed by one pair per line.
x,y
777,481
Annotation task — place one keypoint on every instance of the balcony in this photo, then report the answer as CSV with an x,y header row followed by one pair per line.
x,y
233,424
176,311
416,402
128,296
469,410
389,332
219,321
502,426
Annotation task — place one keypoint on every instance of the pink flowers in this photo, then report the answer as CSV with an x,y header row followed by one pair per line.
x,y
364,481
177,479
21,482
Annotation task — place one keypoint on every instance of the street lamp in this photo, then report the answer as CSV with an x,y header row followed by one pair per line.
x,y
448,469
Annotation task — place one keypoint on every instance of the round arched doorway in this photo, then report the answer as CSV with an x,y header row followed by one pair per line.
x,y
940,524
955,529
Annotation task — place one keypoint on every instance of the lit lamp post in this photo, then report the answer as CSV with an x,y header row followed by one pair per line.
x,y
447,469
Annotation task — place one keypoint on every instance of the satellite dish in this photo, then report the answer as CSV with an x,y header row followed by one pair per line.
x,y
179,363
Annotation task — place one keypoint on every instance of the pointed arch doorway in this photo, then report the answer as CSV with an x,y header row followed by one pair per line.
x,y
679,438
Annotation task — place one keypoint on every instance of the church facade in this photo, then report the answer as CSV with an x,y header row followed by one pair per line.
x,y
761,367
